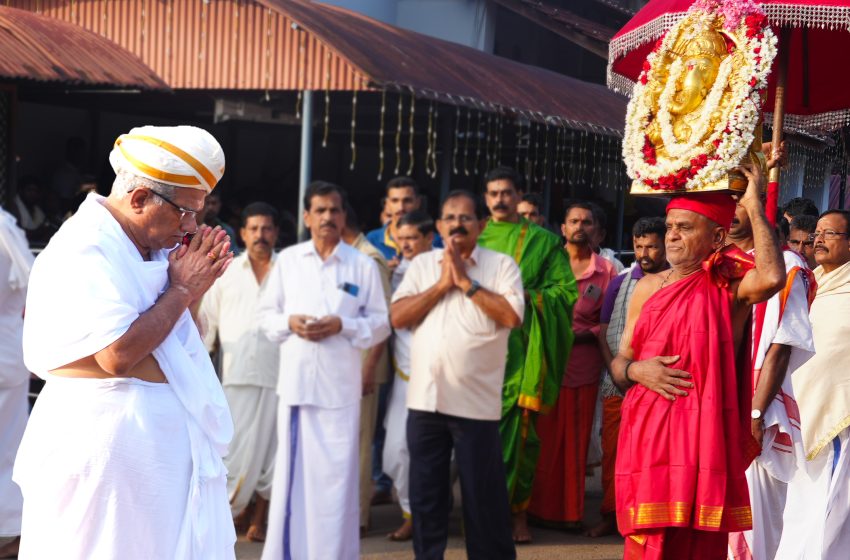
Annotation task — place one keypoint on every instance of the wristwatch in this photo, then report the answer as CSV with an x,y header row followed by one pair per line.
x,y
755,414
473,288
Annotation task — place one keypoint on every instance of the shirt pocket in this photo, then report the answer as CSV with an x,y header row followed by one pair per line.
x,y
344,304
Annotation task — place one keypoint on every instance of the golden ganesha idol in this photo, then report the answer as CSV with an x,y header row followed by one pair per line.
x,y
694,115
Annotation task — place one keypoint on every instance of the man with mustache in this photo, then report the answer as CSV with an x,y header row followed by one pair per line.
x,y
461,304
375,368
685,435
402,197
558,494
650,258
249,368
324,305
781,343
799,238
817,514
538,351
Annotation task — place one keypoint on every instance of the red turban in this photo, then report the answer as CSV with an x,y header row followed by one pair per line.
x,y
716,206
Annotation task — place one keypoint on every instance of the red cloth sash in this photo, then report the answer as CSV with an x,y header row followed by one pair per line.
x,y
682,463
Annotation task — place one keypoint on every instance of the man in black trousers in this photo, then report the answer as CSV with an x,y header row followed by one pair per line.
x,y
461,304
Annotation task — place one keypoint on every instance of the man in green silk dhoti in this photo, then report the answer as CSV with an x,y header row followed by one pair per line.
x,y
537,351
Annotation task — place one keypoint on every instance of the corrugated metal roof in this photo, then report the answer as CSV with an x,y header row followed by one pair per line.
x,y
40,48
216,44
246,45
449,72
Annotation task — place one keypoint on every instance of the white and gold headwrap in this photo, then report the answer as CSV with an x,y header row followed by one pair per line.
x,y
183,156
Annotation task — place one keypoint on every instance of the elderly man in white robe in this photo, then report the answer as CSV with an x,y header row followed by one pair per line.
x,y
325,304
15,263
817,511
122,456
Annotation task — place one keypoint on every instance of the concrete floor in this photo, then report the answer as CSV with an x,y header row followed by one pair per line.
x,y
548,544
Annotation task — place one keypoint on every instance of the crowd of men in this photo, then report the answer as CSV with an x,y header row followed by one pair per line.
x,y
476,345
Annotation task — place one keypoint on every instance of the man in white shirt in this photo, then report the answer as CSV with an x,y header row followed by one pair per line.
x,y
15,263
415,235
324,304
249,368
461,304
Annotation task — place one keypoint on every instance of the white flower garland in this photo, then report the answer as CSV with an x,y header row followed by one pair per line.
x,y
728,144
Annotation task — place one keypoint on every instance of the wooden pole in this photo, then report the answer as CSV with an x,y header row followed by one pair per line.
x,y
778,119
779,97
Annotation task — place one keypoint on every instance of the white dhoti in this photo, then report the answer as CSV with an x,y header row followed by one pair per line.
x,y
105,468
817,514
250,458
314,509
396,458
13,419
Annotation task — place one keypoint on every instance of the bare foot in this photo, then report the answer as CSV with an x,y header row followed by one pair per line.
x,y
243,520
10,549
403,533
520,528
257,530
607,526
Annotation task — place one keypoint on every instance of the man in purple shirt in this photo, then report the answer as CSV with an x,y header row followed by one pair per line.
x,y
650,258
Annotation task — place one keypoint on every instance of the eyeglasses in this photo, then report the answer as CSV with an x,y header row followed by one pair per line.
x,y
463,218
184,212
827,235
798,243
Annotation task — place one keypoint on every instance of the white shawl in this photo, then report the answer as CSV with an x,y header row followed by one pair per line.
x,y
86,289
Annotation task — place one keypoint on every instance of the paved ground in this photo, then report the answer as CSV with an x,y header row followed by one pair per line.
x,y
548,544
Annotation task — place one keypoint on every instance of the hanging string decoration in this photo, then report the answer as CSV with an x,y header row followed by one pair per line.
x,y
381,135
499,140
428,137
477,141
353,127
411,134
531,148
545,152
466,142
327,100
434,142
487,143
298,105
398,134
456,140
518,143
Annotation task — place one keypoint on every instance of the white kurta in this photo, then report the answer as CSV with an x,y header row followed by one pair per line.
x,y
782,448
249,373
314,507
396,458
118,468
15,262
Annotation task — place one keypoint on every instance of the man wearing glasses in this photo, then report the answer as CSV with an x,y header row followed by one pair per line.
x,y
799,238
122,457
817,514
461,304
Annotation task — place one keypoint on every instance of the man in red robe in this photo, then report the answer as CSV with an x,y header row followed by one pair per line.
x,y
685,438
